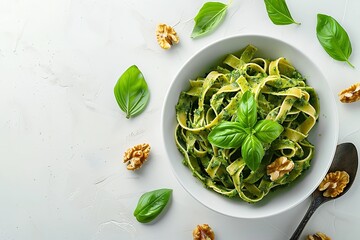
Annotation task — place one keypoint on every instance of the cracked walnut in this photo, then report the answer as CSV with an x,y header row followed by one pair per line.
x,y
318,236
203,232
351,94
166,36
334,183
279,168
136,156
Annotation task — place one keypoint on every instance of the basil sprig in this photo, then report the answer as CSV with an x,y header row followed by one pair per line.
x,y
151,204
131,92
278,12
333,38
246,132
208,18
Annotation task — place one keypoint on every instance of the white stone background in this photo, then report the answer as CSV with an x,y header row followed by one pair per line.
x,y
62,134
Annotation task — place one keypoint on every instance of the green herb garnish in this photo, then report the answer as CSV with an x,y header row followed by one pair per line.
x,y
247,132
151,204
333,38
131,92
278,12
208,18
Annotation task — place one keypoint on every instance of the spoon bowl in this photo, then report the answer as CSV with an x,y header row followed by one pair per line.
x,y
345,159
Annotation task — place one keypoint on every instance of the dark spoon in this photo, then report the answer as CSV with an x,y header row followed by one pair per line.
x,y
345,159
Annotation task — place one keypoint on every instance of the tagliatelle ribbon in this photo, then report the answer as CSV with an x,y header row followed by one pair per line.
x,y
282,95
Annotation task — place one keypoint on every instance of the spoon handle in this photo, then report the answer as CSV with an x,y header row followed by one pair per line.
x,y
315,203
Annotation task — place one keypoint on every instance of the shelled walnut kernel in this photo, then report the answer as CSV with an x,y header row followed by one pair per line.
x,y
334,183
166,36
279,168
136,156
318,236
203,232
351,94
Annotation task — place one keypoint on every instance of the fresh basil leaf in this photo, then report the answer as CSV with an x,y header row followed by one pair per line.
x,y
247,111
333,38
208,18
267,130
278,12
227,135
151,204
252,152
131,92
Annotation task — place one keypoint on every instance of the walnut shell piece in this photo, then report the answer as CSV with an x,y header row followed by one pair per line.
x,y
279,168
351,94
136,156
166,36
318,236
334,183
203,232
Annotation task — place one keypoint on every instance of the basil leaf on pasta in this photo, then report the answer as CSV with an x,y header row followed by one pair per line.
x,y
247,112
333,38
208,18
131,92
227,135
278,12
267,130
252,152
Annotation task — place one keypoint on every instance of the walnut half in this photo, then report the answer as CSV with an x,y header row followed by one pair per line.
x,y
334,183
166,36
203,232
318,236
351,94
279,168
136,156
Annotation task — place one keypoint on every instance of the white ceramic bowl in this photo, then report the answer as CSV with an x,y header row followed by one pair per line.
x,y
324,135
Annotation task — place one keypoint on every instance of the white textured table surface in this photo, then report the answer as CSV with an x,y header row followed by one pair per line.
x,y
62,134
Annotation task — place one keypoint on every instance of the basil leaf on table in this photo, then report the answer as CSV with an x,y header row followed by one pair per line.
x,y
131,92
333,38
208,18
247,111
151,204
252,152
278,12
267,130
227,135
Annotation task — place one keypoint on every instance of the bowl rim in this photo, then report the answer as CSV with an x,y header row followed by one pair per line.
x,y
333,104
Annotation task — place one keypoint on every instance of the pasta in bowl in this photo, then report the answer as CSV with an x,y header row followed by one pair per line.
x,y
247,126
